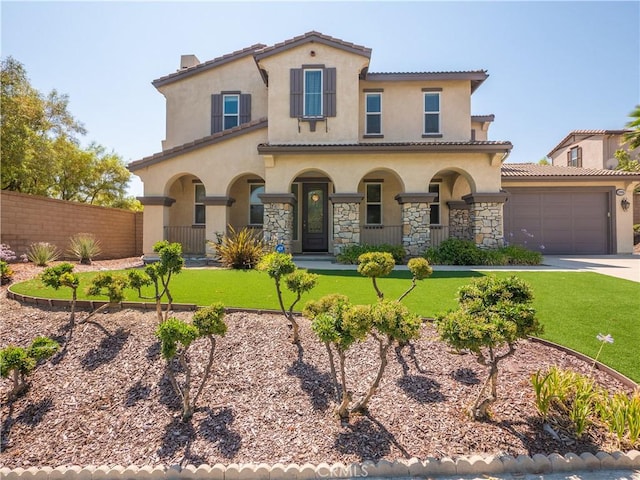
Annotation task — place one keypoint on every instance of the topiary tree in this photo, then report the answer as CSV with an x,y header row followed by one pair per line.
x,y
391,322
159,275
280,266
339,325
177,336
111,285
62,276
375,265
420,269
338,332
18,363
492,313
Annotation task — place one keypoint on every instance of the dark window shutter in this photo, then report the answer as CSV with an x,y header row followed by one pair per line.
x,y
245,108
569,158
216,113
329,94
295,106
579,157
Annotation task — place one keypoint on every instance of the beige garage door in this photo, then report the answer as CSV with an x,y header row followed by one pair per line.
x,y
558,222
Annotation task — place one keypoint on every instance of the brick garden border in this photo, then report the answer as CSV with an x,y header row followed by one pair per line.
x,y
414,467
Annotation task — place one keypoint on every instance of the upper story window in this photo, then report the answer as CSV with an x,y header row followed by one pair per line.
x,y
229,109
574,157
199,217
256,208
431,113
373,202
312,92
435,205
373,114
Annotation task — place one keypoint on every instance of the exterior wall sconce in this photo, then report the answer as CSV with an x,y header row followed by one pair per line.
x,y
624,203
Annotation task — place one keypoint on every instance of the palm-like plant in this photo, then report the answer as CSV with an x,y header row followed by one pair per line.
x,y
633,137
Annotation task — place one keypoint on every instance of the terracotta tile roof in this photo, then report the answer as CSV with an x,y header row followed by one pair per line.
x,y
197,144
585,133
483,118
216,62
475,76
532,170
316,37
483,146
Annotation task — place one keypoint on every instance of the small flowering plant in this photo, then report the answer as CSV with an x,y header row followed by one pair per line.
x,y
603,339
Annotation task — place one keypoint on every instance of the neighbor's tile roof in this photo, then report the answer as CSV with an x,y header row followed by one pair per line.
x,y
201,67
532,170
585,133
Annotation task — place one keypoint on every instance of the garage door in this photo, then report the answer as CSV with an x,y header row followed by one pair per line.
x,y
558,222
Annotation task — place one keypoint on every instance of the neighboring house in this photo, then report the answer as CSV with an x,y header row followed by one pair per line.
x,y
589,149
300,141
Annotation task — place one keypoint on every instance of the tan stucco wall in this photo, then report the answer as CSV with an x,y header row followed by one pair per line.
x,y
482,130
415,169
188,101
339,129
403,110
622,221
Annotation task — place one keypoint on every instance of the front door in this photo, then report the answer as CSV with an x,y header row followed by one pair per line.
x,y
315,222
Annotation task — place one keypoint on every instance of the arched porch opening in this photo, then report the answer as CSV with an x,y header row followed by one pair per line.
x,y
379,212
449,213
185,218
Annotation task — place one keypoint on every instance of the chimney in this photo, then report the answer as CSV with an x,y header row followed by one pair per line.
x,y
187,61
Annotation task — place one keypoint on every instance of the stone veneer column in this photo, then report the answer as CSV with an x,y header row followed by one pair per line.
x,y
459,226
154,220
416,232
278,219
346,220
485,218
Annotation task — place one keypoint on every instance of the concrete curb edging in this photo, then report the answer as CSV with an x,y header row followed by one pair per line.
x,y
413,467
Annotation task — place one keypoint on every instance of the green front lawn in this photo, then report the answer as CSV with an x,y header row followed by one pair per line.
x,y
573,306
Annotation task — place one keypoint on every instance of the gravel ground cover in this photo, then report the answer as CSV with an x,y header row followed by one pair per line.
x,y
105,398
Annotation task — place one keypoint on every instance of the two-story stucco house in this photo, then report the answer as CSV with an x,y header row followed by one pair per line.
x,y
300,140
590,149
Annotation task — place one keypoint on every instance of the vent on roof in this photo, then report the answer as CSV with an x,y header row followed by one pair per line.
x,y
187,61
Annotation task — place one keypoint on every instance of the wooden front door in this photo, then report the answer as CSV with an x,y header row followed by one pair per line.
x,y
315,231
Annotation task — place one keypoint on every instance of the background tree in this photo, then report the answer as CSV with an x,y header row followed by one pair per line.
x,y
633,137
41,153
492,313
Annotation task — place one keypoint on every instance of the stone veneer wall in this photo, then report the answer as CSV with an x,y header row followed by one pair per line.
x,y
346,225
416,234
485,219
459,223
278,225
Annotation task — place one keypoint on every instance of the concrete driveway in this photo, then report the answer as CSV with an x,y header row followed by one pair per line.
x,y
621,266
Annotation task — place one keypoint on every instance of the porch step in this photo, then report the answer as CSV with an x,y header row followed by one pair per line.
x,y
313,257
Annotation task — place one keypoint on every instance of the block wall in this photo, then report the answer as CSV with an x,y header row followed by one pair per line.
x,y
26,219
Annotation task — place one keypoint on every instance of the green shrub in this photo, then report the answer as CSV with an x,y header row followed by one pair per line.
x,y
42,253
455,251
240,250
62,276
18,363
350,253
84,247
519,255
6,273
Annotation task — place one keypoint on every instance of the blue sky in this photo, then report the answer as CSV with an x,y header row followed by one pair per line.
x,y
553,66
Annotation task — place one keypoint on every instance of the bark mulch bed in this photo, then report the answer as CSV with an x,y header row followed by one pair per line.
x,y
105,398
